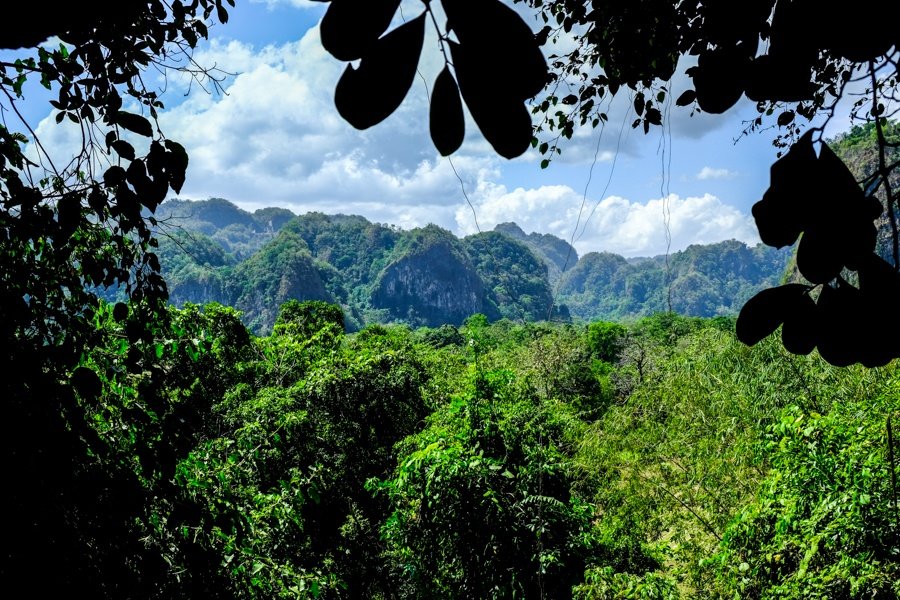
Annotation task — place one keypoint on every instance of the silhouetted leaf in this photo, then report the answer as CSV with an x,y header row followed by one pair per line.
x,y
879,281
792,30
120,311
785,118
768,309
857,240
732,22
844,193
860,35
369,94
177,164
786,207
137,175
504,121
719,78
799,331
819,258
68,212
503,44
639,103
134,123
842,333
774,229
123,149
446,118
114,176
778,78
86,383
350,27
686,98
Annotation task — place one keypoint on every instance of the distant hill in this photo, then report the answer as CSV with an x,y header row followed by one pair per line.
x,y
557,254
214,251
702,280
239,232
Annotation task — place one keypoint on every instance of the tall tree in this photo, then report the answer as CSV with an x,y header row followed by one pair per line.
x,y
68,227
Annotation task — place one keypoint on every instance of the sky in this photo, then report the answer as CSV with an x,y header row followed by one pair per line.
x,y
271,136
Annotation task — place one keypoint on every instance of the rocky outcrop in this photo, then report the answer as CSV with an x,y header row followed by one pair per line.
x,y
198,287
431,284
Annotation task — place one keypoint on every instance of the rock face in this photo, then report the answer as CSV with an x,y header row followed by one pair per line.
x,y
199,288
432,283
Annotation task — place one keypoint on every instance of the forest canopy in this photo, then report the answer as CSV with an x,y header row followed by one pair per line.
x,y
796,62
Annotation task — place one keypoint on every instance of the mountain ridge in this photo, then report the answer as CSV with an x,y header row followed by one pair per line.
x,y
212,250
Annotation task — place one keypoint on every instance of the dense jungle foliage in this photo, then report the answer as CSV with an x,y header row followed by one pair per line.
x,y
662,459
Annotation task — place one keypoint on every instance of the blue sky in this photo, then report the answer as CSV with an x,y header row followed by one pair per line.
x,y
274,138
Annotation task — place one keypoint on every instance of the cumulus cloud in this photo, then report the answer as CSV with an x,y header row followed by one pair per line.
x,y
614,224
713,173
636,229
274,138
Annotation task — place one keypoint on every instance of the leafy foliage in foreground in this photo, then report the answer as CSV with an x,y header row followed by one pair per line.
x,y
825,524
662,459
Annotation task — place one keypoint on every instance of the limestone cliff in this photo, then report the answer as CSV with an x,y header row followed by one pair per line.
x,y
431,282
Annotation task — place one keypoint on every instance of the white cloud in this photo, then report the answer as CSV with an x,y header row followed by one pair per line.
x,y
713,173
635,229
614,224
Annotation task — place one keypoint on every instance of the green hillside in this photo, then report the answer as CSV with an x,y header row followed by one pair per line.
x,y
428,277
